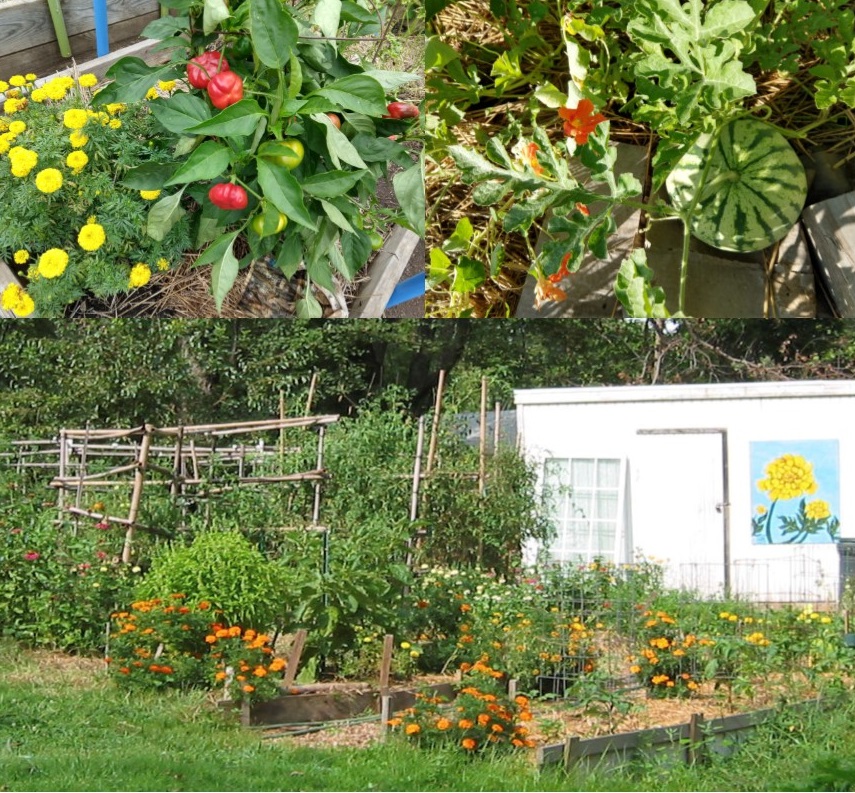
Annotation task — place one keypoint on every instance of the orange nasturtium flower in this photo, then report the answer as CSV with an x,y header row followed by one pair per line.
x,y
563,272
528,156
580,121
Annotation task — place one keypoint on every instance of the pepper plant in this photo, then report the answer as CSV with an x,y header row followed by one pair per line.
x,y
281,141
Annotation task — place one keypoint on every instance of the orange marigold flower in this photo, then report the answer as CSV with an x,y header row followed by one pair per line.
x,y
469,743
240,678
525,715
248,688
443,724
222,633
517,742
259,671
412,729
124,670
220,676
580,121
249,635
203,605
235,630
166,670
521,700
178,596
154,668
183,610
465,724
137,663
394,722
465,666
497,728
483,719
464,607
210,639
277,665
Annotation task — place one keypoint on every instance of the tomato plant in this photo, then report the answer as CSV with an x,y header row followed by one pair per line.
x,y
269,123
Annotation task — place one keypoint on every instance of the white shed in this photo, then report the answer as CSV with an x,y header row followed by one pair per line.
x,y
740,488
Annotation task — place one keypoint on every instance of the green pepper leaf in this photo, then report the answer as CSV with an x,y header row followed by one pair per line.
x,y
206,162
274,32
283,190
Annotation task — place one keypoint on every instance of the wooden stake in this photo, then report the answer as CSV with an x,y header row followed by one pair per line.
x,y
136,494
496,427
63,469
570,742
310,398
695,748
294,658
434,431
281,431
482,440
386,662
385,715
414,493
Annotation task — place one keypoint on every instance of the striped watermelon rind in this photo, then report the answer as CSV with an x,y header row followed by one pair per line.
x,y
754,191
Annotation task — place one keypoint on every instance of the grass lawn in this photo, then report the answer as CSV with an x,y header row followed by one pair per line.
x,y
64,726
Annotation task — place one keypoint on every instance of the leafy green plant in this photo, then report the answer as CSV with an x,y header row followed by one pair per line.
x,y
62,217
287,128
224,569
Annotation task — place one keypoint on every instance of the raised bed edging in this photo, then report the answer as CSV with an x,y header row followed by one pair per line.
x,y
330,706
681,743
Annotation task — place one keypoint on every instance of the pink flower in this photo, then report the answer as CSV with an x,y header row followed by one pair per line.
x,y
31,556
103,525
100,555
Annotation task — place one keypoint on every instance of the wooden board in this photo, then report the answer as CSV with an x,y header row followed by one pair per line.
x,y
830,226
6,277
25,24
384,274
45,59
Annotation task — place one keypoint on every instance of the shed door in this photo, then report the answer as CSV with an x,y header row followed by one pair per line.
x,y
677,506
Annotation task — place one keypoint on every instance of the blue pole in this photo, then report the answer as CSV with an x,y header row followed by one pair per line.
x,y
407,290
102,36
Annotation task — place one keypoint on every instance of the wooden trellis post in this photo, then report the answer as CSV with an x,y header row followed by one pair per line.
x,y
136,494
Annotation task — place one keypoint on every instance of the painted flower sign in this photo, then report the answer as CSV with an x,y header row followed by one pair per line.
x,y
796,492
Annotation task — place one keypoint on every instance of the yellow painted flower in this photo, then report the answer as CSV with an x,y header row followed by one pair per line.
x,y
78,140
17,127
789,476
49,180
761,510
15,299
162,264
77,160
149,195
21,257
75,118
817,509
88,80
91,237
140,275
52,263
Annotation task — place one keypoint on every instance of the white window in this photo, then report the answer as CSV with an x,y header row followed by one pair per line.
x,y
583,496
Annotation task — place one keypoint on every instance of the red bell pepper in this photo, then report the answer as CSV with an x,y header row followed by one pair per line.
x,y
225,89
402,110
228,196
203,67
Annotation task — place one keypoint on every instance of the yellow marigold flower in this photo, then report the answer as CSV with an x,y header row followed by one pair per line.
x,y
149,195
162,264
30,77
49,180
4,144
152,93
166,85
17,127
13,105
4,86
88,80
789,476
115,124
17,80
635,669
78,140
114,108
825,620
816,509
15,299
38,95
77,160
52,263
405,645
140,276
91,237
21,256
23,161
75,119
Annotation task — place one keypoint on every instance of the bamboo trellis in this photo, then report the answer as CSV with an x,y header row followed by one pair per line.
x,y
165,456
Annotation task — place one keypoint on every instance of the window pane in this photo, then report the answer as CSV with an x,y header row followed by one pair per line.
x,y
582,505
608,473
607,505
582,473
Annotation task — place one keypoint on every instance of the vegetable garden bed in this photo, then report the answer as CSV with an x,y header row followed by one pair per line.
x,y
517,207
255,265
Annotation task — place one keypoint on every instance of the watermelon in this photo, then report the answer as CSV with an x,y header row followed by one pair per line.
x,y
755,188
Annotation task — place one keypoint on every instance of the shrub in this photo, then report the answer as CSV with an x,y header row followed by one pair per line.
x,y
224,569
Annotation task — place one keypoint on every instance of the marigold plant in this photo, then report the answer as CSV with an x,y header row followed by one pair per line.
x,y
65,217
482,715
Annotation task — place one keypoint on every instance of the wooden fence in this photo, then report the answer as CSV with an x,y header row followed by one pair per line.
x,y
30,42
692,742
